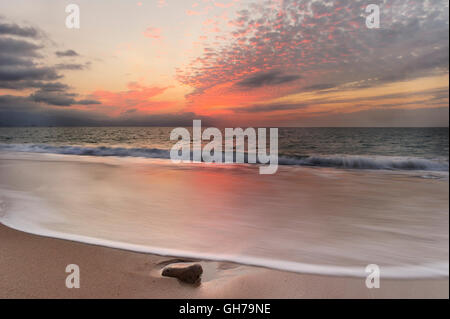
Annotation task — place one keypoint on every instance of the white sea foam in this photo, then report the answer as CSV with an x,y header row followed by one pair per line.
x,y
93,151
337,161
34,224
432,270
366,162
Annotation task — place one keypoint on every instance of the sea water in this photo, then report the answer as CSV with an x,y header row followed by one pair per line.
x,y
343,199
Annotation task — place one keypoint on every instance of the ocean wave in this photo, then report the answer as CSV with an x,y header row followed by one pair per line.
x,y
367,162
45,221
92,151
341,161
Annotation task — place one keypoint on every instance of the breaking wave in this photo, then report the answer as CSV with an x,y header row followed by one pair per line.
x,y
92,151
341,161
366,162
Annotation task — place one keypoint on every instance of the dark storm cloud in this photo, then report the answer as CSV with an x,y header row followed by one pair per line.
x,y
59,98
8,60
16,103
21,111
16,30
18,73
18,111
67,53
70,66
21,85
19,65
50,87
267,78
51,98
22,68
319,87
18,47
87,102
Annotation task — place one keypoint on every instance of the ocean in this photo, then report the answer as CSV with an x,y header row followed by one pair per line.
x,y
357,148
342,199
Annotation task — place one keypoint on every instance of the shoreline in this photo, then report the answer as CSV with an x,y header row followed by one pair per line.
x,y
32,266
90,200
75,189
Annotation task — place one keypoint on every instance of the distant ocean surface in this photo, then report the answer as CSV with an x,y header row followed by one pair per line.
x,y
357,148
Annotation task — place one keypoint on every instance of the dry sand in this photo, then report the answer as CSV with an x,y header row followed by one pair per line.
x,y
34,267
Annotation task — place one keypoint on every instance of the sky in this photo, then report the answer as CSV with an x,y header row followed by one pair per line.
x,y
227,62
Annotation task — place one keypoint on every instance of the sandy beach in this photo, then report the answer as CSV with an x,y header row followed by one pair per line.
x,y
34,267
304,220
241,149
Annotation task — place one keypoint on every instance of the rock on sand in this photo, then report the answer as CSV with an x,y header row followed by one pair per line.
x,y
188,273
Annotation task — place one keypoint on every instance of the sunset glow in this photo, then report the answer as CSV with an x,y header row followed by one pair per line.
x,y
273,62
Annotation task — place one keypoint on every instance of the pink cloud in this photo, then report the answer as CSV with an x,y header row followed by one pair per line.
x,y
196,13
224,5
137,96
152,33
295,46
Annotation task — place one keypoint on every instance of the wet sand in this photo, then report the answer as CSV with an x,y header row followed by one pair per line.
x,y
34,267
305,220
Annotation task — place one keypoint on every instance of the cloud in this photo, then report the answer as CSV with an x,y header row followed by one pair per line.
x,y
270,107
137,96
70,66
197,13
51,98
23,48
152,33
67,53
16,30
224,5
16,103
87,102
320,87
267,78
19,60
326,42
13,73
21,85
270,50
391,117
22,68
162,3
20,111
58,98
429,97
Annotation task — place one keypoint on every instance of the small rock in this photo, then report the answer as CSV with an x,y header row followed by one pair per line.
x,y
188,273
